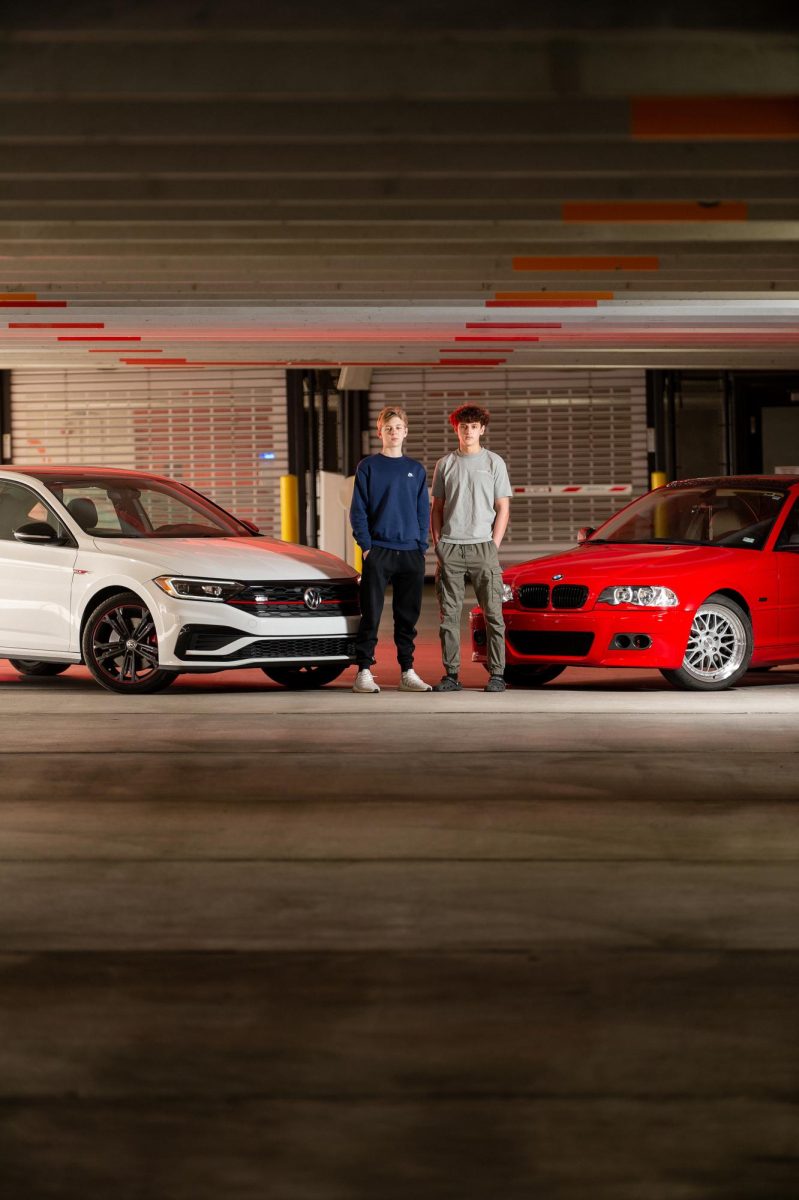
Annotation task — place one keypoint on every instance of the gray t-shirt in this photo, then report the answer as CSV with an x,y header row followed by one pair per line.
x,y
469,484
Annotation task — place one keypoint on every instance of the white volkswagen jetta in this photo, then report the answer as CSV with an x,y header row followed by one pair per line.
x,y
142,578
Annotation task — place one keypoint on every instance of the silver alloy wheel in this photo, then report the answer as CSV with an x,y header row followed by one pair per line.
x,y
717,644
124,644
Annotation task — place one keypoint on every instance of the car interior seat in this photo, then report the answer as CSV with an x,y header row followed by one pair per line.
x,y
726,520
84,511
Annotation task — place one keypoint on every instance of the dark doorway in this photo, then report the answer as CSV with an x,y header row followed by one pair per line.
x,y
724,422
767,423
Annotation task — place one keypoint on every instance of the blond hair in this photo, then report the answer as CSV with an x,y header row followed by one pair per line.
x,y
392,410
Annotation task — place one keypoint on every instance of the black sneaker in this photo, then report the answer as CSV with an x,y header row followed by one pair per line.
x,y
448,683
495,684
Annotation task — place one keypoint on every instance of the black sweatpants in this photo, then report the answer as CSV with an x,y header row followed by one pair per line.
x,y
404,570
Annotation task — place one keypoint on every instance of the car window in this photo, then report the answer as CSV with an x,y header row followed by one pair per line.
x,y
789,534
719,515
164,510
137,507
92,508
21,506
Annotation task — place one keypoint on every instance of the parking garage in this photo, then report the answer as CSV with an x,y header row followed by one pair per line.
x,y
261,942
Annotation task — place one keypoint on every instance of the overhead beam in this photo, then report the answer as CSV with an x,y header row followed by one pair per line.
x,y
394,66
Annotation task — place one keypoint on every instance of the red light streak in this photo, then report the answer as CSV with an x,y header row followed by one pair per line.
x,y
682,337
541,303
33,304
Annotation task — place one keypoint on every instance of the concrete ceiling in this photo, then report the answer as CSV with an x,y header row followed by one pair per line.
x,y
426,184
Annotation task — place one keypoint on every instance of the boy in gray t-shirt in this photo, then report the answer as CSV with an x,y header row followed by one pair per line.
x,y
471,508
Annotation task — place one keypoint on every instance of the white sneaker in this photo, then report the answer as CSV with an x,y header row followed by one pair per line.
x,y
410,682
365,682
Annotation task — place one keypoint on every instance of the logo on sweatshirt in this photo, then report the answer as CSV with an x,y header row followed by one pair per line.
x,y
410,474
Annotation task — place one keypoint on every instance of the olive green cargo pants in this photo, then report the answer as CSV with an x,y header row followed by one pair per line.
x,y
480,562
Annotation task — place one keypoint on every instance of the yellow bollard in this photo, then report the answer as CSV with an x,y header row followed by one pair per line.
x,y
289,509
658,479
357,561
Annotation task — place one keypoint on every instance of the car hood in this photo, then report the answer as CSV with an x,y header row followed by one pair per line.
x,y
246,558
649,564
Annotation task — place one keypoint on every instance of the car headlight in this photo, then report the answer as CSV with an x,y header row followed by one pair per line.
x,y
199,589
507,594
645,596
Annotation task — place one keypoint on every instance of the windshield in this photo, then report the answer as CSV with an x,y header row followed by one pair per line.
x,y
115,507
719,515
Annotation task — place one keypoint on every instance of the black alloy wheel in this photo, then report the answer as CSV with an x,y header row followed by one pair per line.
x,y
33,666
120,647
302,676
531,677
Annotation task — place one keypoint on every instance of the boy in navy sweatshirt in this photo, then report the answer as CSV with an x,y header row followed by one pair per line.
x,y
390,515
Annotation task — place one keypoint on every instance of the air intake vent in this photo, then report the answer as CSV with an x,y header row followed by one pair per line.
x,y
557,644
534,595
569,595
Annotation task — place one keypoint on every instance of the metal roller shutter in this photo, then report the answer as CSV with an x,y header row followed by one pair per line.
x,y
214,430
553,428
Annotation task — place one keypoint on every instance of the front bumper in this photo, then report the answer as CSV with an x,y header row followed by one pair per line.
x,y
194,635
585,638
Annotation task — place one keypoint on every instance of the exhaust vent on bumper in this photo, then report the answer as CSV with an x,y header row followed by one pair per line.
x,y
631,641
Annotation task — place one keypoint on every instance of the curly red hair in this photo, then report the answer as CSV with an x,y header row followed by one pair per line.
x,y
469,412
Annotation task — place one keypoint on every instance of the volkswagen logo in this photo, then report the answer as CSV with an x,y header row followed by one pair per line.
x,y
312,598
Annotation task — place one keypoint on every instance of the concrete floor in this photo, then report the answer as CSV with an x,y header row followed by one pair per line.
x,y
257,944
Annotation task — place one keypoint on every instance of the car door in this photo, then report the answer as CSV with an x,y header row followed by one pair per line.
x,y
35,579
786,553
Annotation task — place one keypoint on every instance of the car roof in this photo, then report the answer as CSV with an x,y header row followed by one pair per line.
x,y
750,481
72,472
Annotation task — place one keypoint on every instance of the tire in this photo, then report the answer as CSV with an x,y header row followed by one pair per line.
x,y
302,677
32,666
531,677
120,647
719,647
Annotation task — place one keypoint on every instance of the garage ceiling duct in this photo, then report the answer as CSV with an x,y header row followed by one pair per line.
x,y
354,379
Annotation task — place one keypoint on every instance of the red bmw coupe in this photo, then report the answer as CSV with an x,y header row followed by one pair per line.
x,y
699,579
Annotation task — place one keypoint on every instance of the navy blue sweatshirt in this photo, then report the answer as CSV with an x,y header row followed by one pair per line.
x,y
390,505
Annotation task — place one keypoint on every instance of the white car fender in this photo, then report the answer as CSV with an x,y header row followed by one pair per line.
x,y
88,589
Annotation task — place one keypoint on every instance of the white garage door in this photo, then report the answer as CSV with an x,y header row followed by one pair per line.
x,y
555,429
222,432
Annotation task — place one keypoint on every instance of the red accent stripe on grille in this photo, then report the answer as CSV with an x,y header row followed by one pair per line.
x,y
281,603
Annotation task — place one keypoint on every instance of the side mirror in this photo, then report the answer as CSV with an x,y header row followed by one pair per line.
x,y
253,528
584,534
38,533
